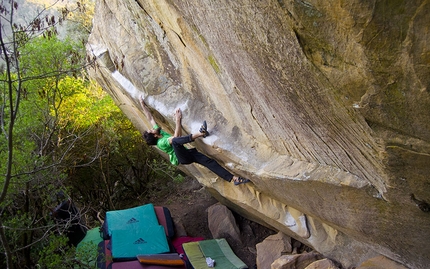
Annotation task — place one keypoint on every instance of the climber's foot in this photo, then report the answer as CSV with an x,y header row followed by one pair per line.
x,y
240,180
204,129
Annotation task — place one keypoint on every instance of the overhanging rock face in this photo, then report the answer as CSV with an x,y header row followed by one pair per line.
x,y
325,105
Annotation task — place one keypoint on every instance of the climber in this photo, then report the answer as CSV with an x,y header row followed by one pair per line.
x,y
174,146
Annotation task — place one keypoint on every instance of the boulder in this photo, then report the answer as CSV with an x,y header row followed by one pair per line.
x,y
297,261
322,264
222,224
273,247
324,105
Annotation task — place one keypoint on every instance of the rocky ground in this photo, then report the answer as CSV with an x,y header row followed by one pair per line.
x,y
188,203
189,207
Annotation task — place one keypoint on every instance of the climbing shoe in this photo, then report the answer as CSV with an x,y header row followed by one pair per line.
x,y
241,180
204,129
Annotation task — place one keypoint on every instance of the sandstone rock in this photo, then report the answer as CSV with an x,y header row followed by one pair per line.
x,y
298,261
380,262
322,264
323,104
222,224
272,248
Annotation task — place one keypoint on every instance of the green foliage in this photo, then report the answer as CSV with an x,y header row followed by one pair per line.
x,y
44,57
56,253
87,254
30,99
164,169
86,105
61,132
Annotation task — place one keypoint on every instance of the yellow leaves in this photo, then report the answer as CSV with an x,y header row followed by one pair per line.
x,y
83,104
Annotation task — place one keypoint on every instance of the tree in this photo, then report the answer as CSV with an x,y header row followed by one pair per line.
x,y
29,162
60,133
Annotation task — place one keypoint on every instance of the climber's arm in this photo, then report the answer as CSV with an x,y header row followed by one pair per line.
x,y
178,118
147,112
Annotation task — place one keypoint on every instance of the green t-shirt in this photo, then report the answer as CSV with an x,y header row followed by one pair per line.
x,y
164,145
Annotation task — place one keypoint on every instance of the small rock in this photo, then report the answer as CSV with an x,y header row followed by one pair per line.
x,y
272,248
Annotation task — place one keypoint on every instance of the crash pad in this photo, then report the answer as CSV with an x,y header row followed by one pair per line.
x,y
86,250
127,244
138,265
170,259
216,249
92,237
165,218
131,218
105,258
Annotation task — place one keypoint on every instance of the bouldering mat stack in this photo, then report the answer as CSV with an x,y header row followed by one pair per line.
x,y
138,265
216,249
165,219
104,257
142,230
127,244
135,231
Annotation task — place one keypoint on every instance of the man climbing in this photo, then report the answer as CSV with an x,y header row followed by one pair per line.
x,y
174,146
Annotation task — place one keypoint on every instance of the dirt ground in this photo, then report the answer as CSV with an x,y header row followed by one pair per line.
x,y
189,207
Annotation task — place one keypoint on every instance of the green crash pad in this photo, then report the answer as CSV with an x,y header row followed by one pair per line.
x,y
216,249
92,237
87,249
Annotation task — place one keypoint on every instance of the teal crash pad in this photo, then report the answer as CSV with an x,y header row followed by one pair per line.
x,y
132,218
127,244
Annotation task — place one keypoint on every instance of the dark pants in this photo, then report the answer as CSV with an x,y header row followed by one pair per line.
x,y
187,156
